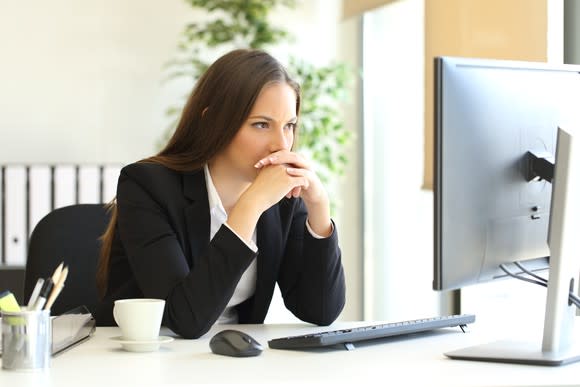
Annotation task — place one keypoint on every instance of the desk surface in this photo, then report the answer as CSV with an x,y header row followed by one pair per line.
x,y
413,360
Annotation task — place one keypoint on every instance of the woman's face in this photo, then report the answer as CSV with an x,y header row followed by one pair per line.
x,y
268,128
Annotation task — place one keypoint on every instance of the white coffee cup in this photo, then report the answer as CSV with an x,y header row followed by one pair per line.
x,y
139,318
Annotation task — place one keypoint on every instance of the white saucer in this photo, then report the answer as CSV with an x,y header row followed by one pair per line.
x,y
142,346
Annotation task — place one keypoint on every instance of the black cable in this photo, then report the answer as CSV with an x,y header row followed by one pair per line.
x,y
541,283
575,299
522,268
572,298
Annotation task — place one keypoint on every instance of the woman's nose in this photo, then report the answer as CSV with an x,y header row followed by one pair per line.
x,y
280,141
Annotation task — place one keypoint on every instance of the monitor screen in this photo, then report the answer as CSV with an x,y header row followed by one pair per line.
x,y
488,115
505,188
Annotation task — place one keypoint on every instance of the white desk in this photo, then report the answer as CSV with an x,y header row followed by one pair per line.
x,y
412,361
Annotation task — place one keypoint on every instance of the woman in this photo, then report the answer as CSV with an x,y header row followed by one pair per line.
x,y
225,211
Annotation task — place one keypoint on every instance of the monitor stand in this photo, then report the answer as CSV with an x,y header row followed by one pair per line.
x,y
559,345
506,351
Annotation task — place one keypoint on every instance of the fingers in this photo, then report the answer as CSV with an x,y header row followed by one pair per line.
x,y
265,161
274,180
295,192
283,157
304,183
297,183
304,173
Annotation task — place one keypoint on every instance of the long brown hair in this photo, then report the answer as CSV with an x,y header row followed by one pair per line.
x,y
216,109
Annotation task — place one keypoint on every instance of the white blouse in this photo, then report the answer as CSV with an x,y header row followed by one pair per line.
x,y
247,285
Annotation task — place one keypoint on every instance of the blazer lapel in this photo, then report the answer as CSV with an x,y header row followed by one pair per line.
x,y
197,213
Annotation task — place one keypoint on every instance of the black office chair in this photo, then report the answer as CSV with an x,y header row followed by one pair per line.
x,y
70,235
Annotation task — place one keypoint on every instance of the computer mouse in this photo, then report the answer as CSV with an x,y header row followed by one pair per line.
x,y
230,342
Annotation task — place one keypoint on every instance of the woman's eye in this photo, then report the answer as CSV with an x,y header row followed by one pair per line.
x,y
291,126
260,125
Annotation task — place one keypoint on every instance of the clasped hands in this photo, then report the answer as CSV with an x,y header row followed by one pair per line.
x,y
285,173
299,176
282,173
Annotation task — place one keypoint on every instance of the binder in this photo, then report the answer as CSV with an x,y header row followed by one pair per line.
x,y
89,184
110,179
15,236
64,185
39,194
31,192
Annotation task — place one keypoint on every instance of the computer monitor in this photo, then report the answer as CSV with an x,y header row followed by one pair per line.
x,y
502,157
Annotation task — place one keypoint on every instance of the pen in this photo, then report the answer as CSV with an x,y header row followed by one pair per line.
x,y
44,292
35,293
57,288
46,287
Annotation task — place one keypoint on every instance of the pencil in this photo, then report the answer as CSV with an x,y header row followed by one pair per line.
x,y
57,272
57,288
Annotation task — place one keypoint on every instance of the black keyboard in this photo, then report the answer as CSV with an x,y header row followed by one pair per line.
x,y
351,335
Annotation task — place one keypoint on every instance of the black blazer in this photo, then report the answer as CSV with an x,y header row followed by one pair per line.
x,y
161,249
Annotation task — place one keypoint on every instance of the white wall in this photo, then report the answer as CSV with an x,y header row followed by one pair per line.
x,y
82,81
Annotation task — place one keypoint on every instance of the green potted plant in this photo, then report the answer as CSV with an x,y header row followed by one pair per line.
x,y
233,24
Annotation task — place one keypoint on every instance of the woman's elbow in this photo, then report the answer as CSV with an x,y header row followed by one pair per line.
x,y
186,328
